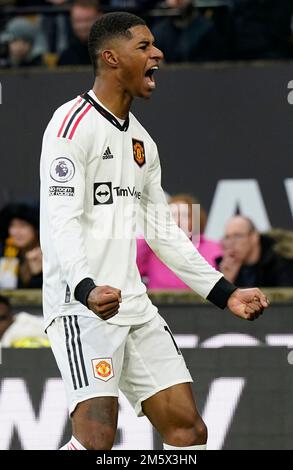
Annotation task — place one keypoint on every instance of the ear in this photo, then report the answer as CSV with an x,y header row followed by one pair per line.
x,y
256,237
110,58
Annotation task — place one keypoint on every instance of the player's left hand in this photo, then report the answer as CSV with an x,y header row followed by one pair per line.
x,y
247,303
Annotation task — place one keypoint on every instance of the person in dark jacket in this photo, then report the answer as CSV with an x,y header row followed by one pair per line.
x,y
250,259
21,37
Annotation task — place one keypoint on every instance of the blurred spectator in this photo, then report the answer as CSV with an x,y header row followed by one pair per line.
x,y
250,259
52,37
22,330
191,37
156,274
56,30
21,262
82,16
21,36
262,29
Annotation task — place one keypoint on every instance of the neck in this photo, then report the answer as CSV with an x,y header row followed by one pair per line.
x,y
111,95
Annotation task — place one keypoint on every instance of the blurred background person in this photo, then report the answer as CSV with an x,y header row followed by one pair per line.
x,y
185,210
83,14
21,37
21,330
249,258
21,261
56,30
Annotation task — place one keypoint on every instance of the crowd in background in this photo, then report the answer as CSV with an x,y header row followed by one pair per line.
x,y
186,31
245,257
55,32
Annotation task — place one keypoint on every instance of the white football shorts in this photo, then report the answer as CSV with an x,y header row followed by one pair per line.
x,y
97,358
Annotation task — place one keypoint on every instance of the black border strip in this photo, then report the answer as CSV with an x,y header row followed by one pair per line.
x,y
173,339
69,352
106,113
74,350
81,352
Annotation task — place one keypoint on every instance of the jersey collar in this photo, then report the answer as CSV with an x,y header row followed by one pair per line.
x,y
122,127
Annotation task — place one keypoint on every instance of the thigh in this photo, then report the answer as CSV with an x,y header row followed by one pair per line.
x,y
89,353
172,408
152,362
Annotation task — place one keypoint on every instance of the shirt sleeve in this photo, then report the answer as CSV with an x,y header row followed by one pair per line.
x,y
173,247
63,170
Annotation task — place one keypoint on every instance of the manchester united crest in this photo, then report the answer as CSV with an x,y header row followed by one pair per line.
x,y
103,369
138,152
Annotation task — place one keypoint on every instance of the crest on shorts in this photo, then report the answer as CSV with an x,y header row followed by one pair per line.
x,y
138,152
103,368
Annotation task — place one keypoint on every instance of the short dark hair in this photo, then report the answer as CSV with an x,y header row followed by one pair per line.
x,y
107,27
5,301
18,210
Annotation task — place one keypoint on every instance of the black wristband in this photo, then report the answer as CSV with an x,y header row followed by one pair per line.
x,y
83,290
221,292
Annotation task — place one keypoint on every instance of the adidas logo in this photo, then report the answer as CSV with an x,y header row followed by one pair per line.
x,y
107,154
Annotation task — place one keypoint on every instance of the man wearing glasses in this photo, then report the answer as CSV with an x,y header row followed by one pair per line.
x,y
249,258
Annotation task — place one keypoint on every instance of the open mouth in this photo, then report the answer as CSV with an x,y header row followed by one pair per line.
x,y
150,76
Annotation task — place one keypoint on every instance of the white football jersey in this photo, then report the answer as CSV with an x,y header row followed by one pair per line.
x,y
100,177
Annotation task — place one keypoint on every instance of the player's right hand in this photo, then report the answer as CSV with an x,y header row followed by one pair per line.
x,y
104,301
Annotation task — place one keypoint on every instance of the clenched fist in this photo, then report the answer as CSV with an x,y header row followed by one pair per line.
x,y
247,303
104,301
